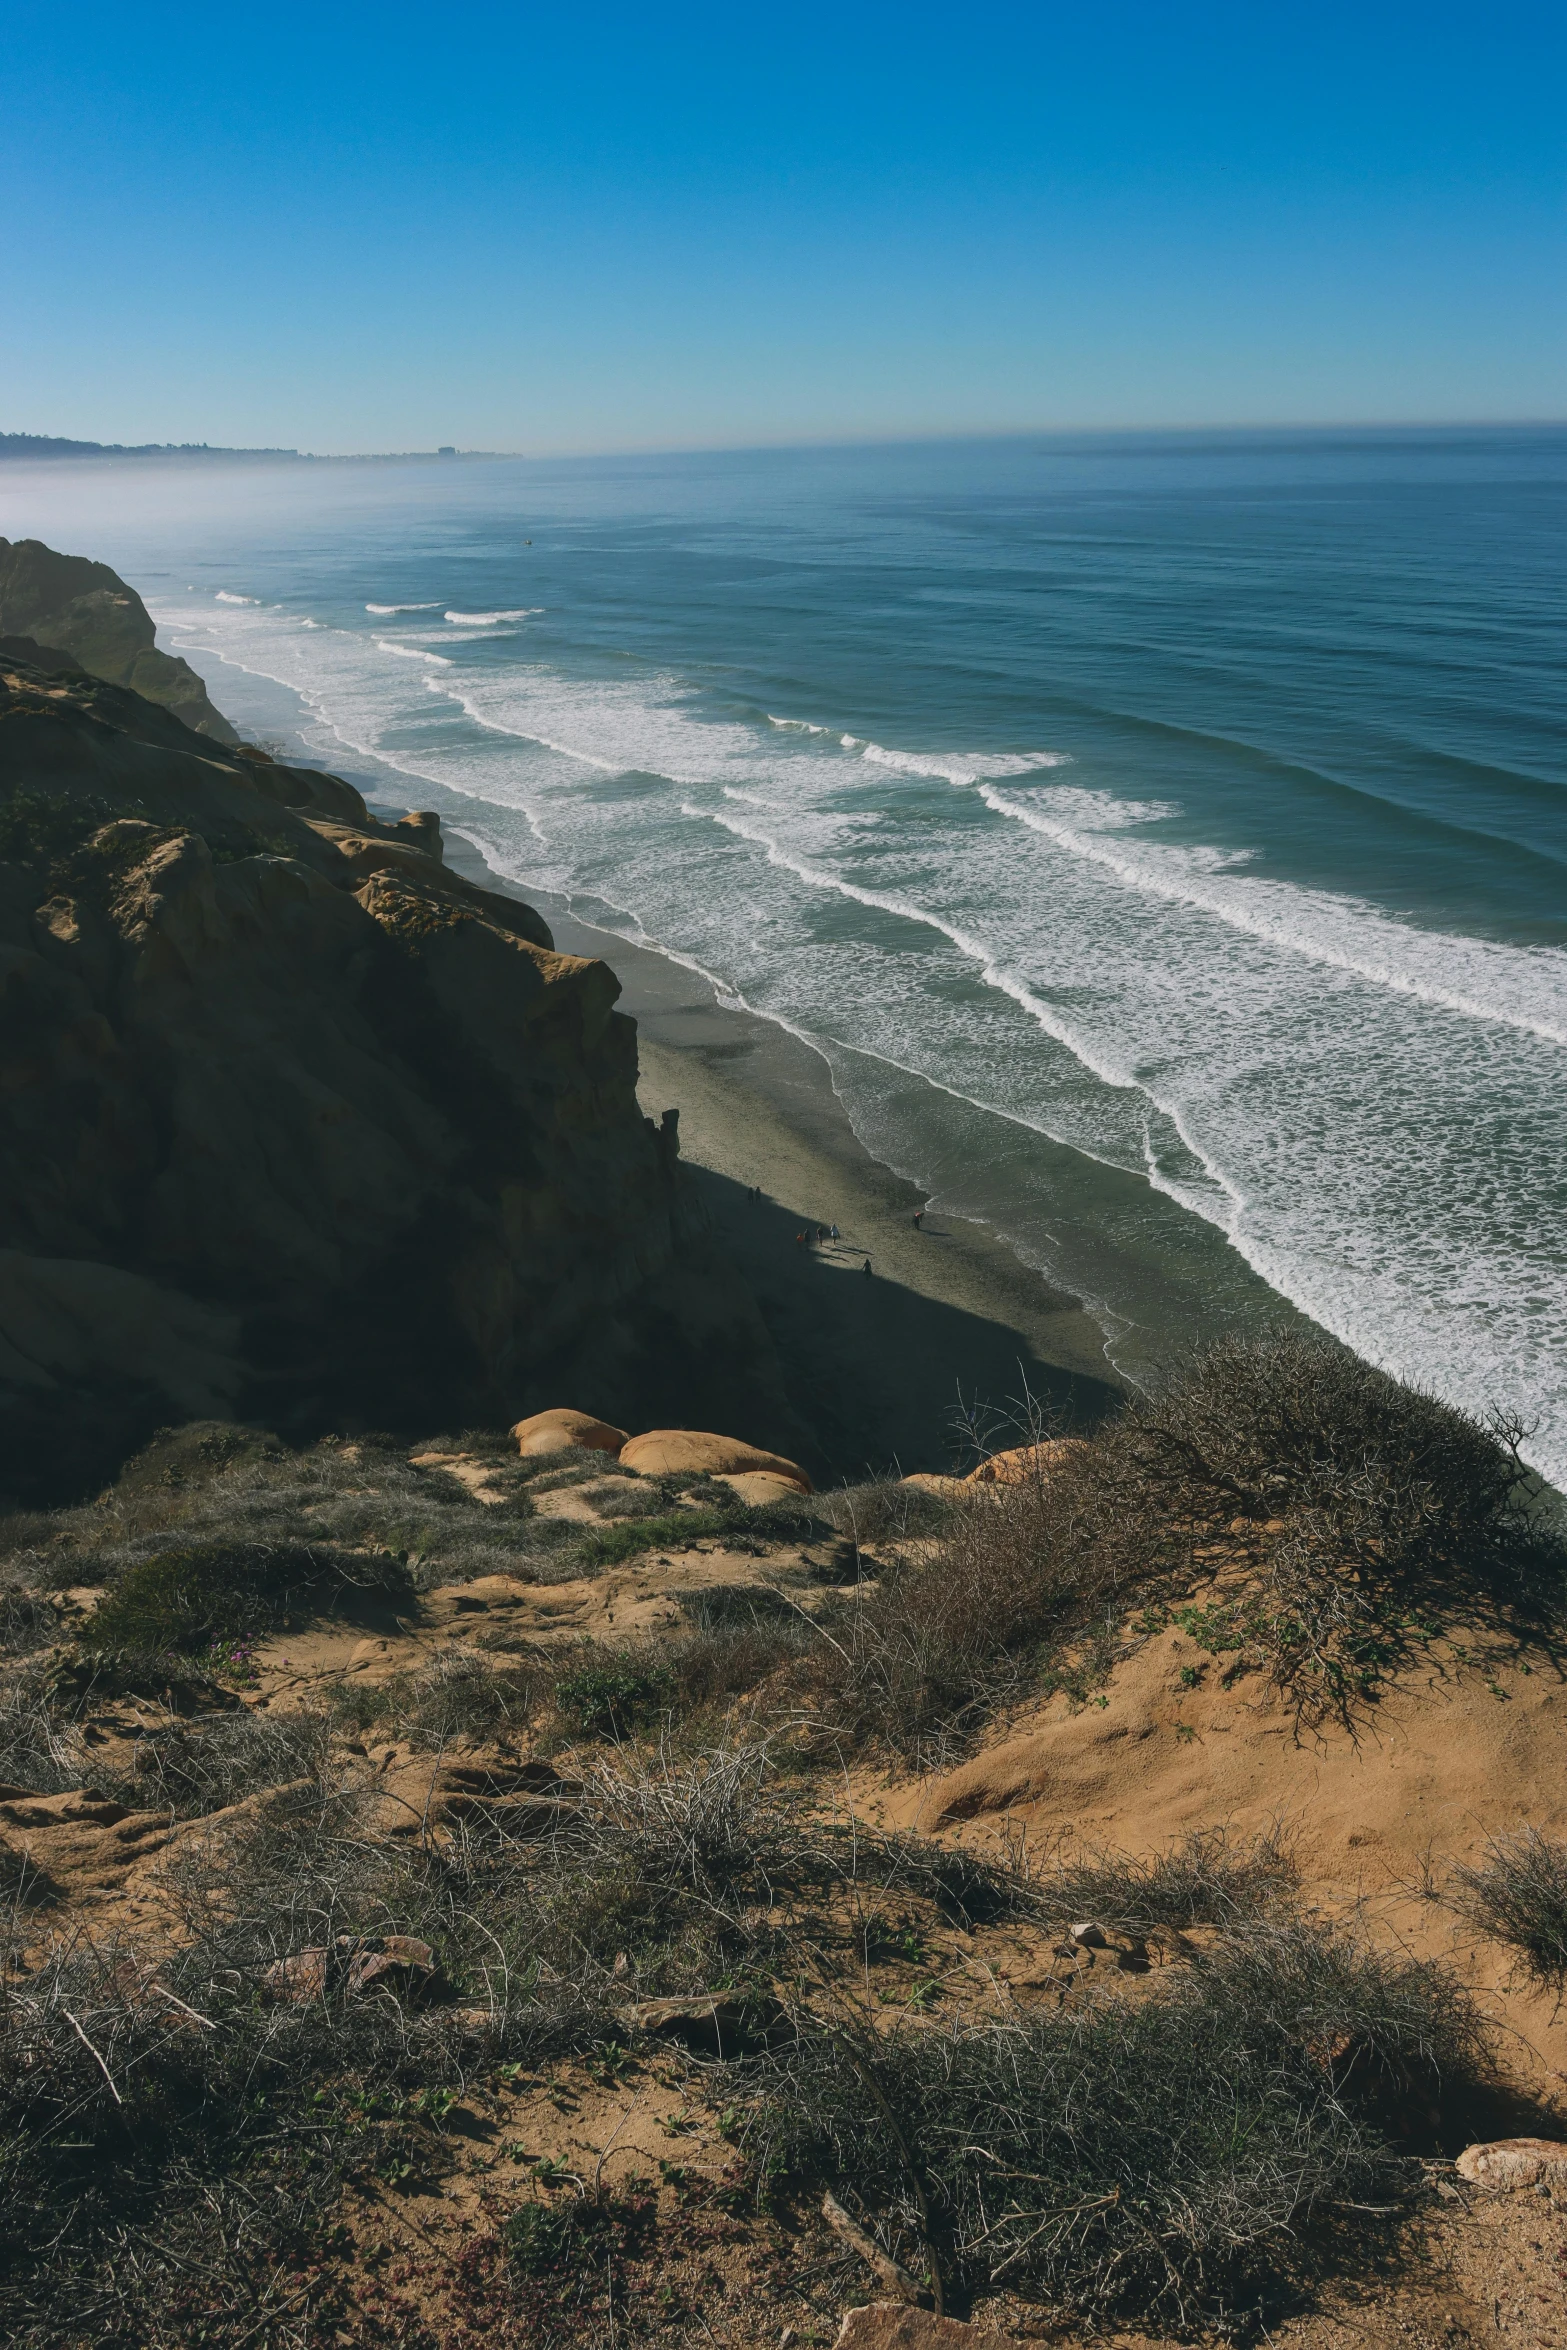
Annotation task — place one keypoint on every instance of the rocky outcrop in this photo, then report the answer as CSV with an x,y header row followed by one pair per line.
x,y
75,606
664,1452
299,1124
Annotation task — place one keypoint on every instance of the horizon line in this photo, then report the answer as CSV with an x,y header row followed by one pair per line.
x,y
206,452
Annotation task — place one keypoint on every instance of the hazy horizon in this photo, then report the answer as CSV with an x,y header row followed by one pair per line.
x,y
1282,428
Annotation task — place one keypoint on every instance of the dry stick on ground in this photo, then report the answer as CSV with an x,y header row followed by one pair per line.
x,y
598,2167
93,2053
897,2281
916,2175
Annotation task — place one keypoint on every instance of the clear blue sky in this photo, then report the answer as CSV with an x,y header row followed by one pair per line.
x,y
344,227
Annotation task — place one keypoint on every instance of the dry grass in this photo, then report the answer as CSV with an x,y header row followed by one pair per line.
x,y
1149,2158
1518,1895
1207,1879
1149,2161
175,2137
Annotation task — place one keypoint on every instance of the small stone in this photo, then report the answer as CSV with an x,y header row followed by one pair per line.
x,y
402,1958
1507,2164
892,2325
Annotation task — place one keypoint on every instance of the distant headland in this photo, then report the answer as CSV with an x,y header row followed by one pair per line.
x,y
39,444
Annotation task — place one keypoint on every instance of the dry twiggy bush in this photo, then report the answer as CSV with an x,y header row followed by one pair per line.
x,y
1518,1895
1156,2160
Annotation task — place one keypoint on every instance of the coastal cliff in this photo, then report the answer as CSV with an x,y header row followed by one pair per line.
x,y
302,1125
83,608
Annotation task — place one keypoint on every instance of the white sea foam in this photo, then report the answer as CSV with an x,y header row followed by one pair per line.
x,y
411,653
938,766
386,608
1525,987
1373,1113
486,619
956,766
223,597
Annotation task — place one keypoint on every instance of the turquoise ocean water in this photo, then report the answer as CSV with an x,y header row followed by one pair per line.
x,y
1163,838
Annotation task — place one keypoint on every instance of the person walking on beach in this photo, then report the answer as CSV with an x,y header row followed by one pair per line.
x,y
821,1236
919,1219
834,1230
866,1268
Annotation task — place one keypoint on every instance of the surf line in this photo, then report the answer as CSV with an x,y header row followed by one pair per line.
x,y
1273,930
1225,1218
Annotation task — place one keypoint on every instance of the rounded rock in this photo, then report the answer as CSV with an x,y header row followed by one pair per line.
x,y
567,1431
672,1452
1025,1462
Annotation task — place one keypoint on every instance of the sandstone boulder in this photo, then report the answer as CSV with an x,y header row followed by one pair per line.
x,y
666,1452
757,1487
944,1488
567,1431
1026,1462
1507,2164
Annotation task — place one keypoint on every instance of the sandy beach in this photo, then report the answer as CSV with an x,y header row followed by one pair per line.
x,y
875,1366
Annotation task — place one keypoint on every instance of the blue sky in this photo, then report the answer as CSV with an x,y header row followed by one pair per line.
x,y
604,227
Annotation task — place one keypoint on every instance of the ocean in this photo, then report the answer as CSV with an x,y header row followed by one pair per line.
x,y
1162,838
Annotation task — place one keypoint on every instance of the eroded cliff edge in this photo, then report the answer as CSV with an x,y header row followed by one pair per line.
x,y
298,1124
76,606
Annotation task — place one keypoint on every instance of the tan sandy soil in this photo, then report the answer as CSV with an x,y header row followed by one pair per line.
x,y
1459,1750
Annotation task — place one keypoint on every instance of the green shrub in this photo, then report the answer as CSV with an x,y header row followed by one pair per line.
x,y
611,1546
611,1698
213,1596
43,827
1205,1880
920,1661
1372,1514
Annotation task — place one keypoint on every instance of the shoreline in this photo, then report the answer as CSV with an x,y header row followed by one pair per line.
x,y
873,1366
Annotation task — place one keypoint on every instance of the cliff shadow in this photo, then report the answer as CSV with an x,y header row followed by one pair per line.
x,y
872,1365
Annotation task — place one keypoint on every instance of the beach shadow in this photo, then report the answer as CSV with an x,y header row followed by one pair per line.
x,y
873,1366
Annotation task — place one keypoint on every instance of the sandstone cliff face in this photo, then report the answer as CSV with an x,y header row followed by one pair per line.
x,y
83,608
295,1122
